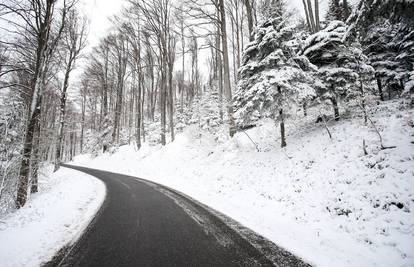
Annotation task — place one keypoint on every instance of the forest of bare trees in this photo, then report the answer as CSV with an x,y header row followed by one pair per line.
x,y
160,62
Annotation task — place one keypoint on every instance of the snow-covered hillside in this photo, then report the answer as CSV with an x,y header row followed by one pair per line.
x,y
55,217
320,198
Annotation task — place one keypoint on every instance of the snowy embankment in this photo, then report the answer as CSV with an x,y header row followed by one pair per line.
x,y
53,218
320,198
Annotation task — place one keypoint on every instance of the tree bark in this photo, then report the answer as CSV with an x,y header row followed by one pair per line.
x,y
307,16
83,121
227,85
219,74
335,108
379,83
282,129
36,159
63,97
249,19
317,23
45,17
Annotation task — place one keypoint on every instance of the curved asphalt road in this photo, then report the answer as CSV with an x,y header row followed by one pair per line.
x,y
145,224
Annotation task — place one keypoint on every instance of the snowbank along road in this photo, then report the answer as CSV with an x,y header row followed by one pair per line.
x,y
145,224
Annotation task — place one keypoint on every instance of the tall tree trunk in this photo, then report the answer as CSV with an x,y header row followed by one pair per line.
x,y
25,164
227,85
249,19
62,113
219,74
311,17
317,23
233,47
183,64
37,91
305,7
142,114
36,159
138,110
171,100
163,97
83,121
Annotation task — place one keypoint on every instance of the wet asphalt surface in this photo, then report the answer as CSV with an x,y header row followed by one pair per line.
x,y
144,224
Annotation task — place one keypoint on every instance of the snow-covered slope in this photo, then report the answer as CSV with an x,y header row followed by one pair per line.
x,y
53,218
320,198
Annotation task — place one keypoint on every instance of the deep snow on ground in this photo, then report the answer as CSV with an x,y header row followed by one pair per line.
x,y
320,198
52,218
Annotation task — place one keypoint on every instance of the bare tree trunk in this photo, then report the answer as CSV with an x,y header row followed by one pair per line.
x,y
36,159
249,19
227,85
220,74
171,59
37,89
138,110
317,23
307,16
163,92
62,113
311,17
25,165
233,47
83,121
183,62
282,129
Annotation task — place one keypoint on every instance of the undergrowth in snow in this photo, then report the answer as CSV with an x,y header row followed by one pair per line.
x,y
53,218
322,199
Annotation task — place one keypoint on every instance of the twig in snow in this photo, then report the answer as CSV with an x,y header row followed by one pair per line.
x,y
324,124
378,133
257,147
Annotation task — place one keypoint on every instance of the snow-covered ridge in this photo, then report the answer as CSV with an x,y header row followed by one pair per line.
x,y
54,217
320,198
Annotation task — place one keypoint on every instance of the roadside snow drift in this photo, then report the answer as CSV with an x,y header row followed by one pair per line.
x,y
320,198
52,218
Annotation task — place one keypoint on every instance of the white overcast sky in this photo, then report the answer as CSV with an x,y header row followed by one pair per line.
x,y
99,12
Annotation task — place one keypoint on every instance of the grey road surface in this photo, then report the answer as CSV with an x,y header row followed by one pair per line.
x,y
145,224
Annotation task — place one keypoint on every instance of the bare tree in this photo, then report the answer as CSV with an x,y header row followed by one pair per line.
x,y
312,15
37,18
74,40
247,4
226,67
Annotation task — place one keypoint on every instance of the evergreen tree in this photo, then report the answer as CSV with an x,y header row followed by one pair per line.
x,y
342,67
385,30
272,78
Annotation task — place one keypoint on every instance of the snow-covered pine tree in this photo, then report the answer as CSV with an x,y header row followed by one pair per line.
x,y
272,78
382,52
385,30
342,67
405,58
